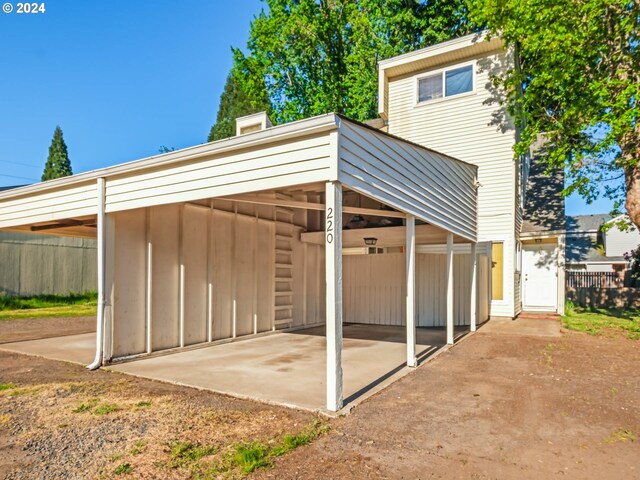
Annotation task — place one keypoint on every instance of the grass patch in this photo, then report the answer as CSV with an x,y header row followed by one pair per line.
x,y
85,407
6,386
597,321
72,305
621,435
143,404
291,442
251,456
187,454
24,391
106,408
123,469
245,458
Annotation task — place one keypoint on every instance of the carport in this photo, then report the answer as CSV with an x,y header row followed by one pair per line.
x,y
242,240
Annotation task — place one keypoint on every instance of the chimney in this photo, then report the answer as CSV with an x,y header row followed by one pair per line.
x,y
253,123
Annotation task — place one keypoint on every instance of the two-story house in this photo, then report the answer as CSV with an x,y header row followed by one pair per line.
x,y
232,247
443,97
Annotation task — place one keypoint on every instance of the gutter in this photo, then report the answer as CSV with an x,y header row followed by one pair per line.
x,y
101,254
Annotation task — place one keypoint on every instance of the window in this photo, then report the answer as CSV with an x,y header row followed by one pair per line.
x,y
497,271
430,88
455,81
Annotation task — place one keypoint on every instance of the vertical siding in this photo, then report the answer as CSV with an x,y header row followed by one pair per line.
x,y
224,257
374,289
129,285
462,127
40,264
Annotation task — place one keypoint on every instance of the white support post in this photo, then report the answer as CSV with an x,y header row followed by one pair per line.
x,y
410,256
181,274
560,274
474,280
450,289
333,266
149,282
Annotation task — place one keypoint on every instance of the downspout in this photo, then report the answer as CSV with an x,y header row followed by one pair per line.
x,y
101,250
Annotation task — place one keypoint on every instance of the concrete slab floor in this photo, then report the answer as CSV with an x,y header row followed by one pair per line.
x,y
71,348
537,327
289,368
283,368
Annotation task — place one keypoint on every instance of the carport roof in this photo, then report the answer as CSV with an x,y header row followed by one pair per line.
x,y
416,180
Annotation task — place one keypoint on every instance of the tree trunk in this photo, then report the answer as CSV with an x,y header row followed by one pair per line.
x,y
632,203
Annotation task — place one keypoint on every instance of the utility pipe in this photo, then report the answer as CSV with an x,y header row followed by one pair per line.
x,y
101,250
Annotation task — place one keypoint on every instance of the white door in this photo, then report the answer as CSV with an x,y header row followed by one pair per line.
x,y
539,278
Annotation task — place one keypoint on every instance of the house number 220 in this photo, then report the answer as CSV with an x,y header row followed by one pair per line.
x,y
329,225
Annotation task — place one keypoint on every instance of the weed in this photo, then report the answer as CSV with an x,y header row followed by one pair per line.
x,y
569,308
106,408
621,435
6,386
185,454
143,404
123,468
138,447
115,457
86,407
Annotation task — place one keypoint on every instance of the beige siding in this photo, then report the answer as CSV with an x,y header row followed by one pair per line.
x,y
426,184
57,204
461,127
278,165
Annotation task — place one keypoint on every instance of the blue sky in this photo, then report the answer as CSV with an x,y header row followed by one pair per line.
x,y
121,78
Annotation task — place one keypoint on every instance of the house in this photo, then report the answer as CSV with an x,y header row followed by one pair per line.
x,y
35,264
591,248
442,97
320,222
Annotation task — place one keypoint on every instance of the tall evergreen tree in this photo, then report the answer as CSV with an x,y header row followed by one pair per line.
x,y
235,102
58,163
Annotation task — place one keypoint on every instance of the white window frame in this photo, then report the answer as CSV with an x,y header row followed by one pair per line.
x,y
442,73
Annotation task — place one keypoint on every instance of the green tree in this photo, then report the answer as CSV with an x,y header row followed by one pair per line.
x,y
317,57
58,163
577,81
236,101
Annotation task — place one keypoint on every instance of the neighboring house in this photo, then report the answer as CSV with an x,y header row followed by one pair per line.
x,y
590,248
245,236
42,264
442,97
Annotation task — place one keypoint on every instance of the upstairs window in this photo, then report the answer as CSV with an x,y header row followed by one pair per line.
x,y
445,84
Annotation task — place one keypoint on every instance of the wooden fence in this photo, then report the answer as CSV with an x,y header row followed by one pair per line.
x,y
594,280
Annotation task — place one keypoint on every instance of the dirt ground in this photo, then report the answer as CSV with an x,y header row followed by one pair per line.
x,y
494,406
35,328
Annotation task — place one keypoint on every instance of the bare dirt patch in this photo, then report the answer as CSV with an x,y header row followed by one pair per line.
x,y
494,406
59,420
35,328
